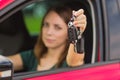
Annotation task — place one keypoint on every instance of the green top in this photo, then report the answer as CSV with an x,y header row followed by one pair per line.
x,y
30,62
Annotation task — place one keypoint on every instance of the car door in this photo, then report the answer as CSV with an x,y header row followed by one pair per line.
x,y
87,72
97,50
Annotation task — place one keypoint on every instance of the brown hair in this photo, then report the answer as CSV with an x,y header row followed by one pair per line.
x,y
40,49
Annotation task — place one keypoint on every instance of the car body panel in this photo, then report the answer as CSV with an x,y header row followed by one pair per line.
x,y
4,3
100,71
93,73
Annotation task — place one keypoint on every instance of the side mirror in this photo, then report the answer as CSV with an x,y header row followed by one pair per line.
x,y
6,68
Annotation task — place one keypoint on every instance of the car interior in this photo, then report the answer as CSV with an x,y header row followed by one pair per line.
x,y
15,36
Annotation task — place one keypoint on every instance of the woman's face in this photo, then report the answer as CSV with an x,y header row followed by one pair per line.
x,y
54,31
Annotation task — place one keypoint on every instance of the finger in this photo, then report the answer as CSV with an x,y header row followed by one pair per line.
x,y
79,12
71,48
79,22
71,51
81,17
82,27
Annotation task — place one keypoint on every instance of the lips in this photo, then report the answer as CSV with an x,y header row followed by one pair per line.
x,y
50,40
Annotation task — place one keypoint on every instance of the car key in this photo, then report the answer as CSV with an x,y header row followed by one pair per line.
x,y
75,36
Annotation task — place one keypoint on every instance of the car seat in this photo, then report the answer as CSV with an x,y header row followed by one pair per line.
x,y
14,36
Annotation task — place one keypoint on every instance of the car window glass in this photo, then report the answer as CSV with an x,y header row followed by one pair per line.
x,y
113,11
33,15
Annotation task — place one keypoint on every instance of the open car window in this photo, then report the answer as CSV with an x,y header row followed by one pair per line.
x,y
22,27
33,15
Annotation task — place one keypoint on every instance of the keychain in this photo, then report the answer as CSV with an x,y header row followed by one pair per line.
x,y
75,36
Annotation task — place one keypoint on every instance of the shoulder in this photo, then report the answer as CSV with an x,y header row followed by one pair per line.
x,y
29,59
27,55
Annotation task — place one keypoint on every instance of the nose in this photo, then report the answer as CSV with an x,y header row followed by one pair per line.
x,y
50,31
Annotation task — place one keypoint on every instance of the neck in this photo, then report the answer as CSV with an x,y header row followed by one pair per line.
x,y
55,52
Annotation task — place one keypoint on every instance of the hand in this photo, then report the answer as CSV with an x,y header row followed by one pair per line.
x,y
73,58
80,20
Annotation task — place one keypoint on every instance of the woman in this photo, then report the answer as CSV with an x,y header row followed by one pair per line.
x,y
52,49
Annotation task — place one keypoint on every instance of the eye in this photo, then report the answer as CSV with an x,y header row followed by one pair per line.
x,y
45,24
58,27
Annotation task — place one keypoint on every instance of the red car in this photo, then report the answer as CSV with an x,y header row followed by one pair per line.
x,y
19,28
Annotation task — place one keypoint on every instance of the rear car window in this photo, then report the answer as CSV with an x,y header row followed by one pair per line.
x,y
33,15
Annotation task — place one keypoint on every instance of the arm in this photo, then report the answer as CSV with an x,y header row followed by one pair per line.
x,y
17,62
73,58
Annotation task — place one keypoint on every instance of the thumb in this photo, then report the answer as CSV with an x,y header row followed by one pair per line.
x,y
71,48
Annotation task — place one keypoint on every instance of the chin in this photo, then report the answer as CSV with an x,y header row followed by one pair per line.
x,y
50,46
